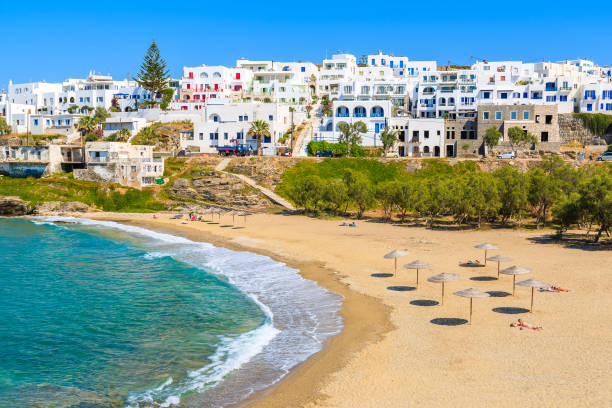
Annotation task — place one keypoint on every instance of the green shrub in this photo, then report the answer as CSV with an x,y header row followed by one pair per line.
x,y
598,123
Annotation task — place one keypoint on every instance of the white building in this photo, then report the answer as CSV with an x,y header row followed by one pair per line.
x,y
123,163
375,114
222,125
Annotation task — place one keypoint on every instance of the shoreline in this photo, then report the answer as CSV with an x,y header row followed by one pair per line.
x,y
408,350
303,382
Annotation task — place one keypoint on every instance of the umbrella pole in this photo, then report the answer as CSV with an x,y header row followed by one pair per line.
x,y
471,310
417,276
442,293
531,310
395,273
513,284
485,257
498,270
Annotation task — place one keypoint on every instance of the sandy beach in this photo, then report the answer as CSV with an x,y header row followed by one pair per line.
x,y
394,351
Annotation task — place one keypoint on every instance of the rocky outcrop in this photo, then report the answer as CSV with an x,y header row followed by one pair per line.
x,y
58,207
266,171
14,206
218,188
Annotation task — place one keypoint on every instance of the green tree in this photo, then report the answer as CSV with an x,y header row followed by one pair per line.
x,y
336,196
512,189
167,95
519,138
100,114
596,200
153,75
259,129
567,212
482,195
359,190
386,194
87,124
544,191
5,129
389,138
405,197
492,137
350,134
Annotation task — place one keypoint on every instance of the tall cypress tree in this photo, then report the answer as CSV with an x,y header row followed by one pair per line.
x,y
153,75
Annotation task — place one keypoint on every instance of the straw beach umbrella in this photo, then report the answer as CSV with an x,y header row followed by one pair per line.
x,y
471,293
533,283
418,265
514,270
486,247
499,258
443,278
398,253
244,214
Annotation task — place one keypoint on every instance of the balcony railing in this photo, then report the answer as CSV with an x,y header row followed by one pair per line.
x,y
359,115
376,115
342,115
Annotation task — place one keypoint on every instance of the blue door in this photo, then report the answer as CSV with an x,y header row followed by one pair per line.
x,y
376,128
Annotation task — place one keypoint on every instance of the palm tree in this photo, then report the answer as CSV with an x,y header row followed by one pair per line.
x,y
259,129
351,134
389,138
124,134
87,124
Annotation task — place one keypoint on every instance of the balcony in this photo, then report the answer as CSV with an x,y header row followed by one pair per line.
x,y
342,115
359,115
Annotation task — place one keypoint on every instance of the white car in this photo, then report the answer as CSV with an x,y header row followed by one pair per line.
x,y
506,155
607,156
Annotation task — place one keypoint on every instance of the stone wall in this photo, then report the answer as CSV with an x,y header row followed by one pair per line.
x,y
571,129
21,169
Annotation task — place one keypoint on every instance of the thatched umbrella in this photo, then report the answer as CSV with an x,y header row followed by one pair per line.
x,y
245,215
471,293
486,247
514,270
208,211
533,283
398,253
443,278
418,265
233,214
499,258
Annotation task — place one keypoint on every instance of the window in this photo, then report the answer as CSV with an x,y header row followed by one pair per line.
x,y
485,115
537,119
240,118
525,115
549,119
415,135
503,95
498,115
486,95
426,134
35,122
246,118
270,118
225,136
562,98
303,69
211,136
201,136
513,115
544,137
589,107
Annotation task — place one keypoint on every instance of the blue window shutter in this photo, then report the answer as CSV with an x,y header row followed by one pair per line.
x,y
391,64
586,94
376,128
401,64
373,62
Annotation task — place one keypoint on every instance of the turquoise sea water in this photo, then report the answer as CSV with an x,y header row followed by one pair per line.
x,y
97,314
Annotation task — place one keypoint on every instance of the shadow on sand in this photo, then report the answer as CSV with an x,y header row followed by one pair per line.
x,y
510,310
497,293
401,288
381,275
483,278
448,321
424,302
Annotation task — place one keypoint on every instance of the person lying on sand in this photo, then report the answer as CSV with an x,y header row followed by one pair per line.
x,y
554,289
352,225
523,325
344,224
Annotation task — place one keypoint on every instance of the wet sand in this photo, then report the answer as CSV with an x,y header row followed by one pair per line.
x,y
401,348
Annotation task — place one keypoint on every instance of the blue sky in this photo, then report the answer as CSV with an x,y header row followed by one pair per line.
x,y
55,40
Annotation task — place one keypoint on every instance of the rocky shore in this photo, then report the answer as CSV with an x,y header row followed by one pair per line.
x,y
15,206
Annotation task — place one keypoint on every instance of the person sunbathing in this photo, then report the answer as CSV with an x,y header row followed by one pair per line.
x,y
524,325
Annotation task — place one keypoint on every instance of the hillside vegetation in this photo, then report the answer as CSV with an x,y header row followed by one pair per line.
x,y
463,192
107,197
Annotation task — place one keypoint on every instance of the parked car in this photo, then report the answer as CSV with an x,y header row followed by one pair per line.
x,y
607,156
506,155
324,153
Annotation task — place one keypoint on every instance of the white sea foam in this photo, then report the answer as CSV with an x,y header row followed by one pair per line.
x,y
300,316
